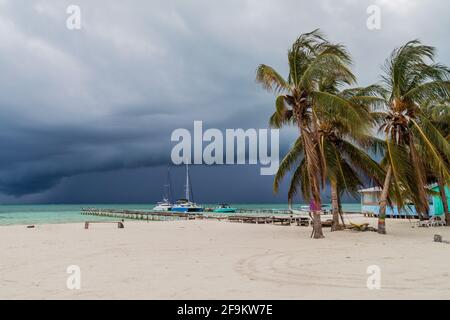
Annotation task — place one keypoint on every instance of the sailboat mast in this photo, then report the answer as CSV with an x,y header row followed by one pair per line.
x,y
187,181
167,186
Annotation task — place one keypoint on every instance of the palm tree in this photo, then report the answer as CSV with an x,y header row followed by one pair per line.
x,y
410,79
439,115
311,58
342,144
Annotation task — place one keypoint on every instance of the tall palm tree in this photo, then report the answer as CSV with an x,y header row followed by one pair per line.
x,y
410,79
345,142
342,144
439,115
311,58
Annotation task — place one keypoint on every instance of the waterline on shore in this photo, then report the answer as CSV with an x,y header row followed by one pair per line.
x,y
43,214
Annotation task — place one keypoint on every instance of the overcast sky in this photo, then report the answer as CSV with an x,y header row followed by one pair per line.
x,y
86,115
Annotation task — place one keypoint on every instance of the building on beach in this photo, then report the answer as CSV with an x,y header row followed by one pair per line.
x,y
437,201
370,199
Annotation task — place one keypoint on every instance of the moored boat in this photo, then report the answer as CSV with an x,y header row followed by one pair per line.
x,y
165,205
186,205
224,208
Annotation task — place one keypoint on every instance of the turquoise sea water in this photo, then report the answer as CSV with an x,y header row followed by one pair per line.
x,y
67,213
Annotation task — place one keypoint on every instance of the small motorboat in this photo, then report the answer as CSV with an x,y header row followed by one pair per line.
x,y
224,208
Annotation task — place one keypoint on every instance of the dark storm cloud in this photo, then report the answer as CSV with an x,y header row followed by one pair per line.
x,y
74,104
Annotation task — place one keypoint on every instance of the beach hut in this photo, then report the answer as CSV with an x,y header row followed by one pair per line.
x,y
438,206
370,204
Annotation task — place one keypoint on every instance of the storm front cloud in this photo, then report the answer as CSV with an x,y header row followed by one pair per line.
x,y
86,115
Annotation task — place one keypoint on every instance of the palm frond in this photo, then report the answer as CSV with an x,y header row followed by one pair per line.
x,y
300,178
435,144
363,162
288,161
270,79
434,90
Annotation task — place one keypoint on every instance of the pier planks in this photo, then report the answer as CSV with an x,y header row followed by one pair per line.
x,y
161,216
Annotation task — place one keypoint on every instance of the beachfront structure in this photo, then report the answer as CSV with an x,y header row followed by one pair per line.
x,y
370,204
438,206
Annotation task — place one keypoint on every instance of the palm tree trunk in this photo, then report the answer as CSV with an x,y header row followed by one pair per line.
x,y
310,153
317,221
444,199
341,213
383,202
334,206
315,185
317,225
421,205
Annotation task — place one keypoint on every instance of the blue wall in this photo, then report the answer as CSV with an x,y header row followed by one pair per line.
x,y
408,210
437,201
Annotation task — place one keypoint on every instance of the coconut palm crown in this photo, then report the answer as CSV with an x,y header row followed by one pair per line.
x,y
411,78
311,59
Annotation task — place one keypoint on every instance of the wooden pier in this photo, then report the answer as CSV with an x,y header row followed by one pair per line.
x,y
253,216
288,219
388,216
136,215
264,211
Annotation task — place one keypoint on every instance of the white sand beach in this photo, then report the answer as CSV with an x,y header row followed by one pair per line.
x,y
221,260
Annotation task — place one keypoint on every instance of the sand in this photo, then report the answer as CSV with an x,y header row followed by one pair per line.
x,y
221,260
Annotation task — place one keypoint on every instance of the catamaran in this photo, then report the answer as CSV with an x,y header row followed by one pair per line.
x,y
185,205
165,205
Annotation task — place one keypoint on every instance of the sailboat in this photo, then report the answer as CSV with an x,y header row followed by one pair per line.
x,y
165,205
185,205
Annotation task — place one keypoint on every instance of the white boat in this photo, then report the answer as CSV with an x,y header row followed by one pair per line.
x,y
305,210
186,205
300,212
165,205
